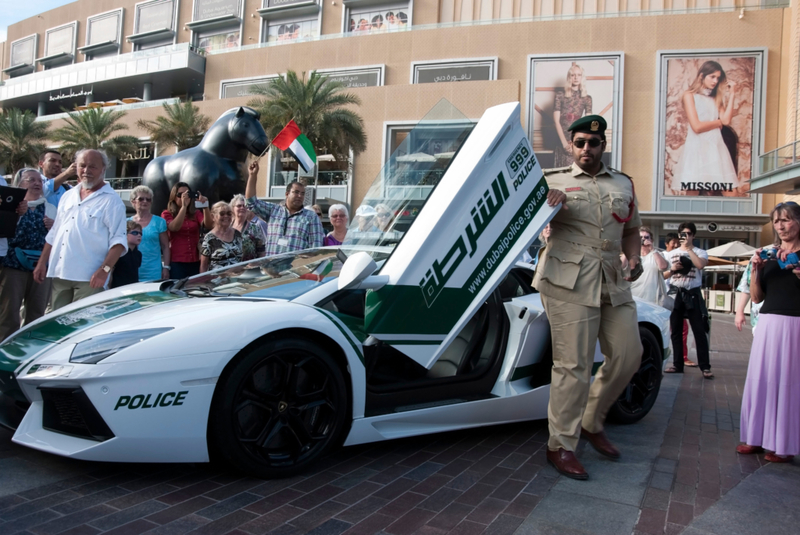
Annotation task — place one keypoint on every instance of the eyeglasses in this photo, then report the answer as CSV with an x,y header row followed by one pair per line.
x,y
593,142
144,199
135,232
384,215
230,214
337,216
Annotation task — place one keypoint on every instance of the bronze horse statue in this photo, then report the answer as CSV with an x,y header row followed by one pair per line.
x,y
212,167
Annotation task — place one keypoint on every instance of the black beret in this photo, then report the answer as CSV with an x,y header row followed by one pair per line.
x,y
593,124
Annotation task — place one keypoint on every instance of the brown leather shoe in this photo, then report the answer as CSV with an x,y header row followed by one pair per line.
x,y
566,464
600,442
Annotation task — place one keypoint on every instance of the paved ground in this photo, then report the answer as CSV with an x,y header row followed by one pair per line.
x,y
679,474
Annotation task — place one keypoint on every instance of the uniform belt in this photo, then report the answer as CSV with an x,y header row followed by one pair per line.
x,y
596,243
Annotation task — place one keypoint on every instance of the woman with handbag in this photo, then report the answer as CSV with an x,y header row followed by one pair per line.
x,y
24,249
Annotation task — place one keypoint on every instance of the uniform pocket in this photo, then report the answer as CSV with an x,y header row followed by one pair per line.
x,y
578,203
620,203
562,268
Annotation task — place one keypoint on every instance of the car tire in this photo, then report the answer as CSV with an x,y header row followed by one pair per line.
x,y
280,408
641,392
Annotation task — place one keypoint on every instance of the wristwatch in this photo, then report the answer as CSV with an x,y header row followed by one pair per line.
x,y
164,266
107,269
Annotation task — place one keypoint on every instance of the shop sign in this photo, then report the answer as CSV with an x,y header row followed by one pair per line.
x,y
462,72
352,79
142,153
242,88
71,93
155,16
210,9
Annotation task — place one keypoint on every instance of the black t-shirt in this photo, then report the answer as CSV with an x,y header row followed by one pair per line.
x,y
127,269
781,290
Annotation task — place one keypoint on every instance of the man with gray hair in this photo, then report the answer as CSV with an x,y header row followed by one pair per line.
x,y
88,237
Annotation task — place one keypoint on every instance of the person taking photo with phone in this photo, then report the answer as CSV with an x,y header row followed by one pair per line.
x,y
183,223
685,279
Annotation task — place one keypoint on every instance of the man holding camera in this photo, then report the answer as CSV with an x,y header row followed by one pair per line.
x,y
587,295
685,279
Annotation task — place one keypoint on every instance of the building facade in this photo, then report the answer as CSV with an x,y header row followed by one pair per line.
x,y
636,62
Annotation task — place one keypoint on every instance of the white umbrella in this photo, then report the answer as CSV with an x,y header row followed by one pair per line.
x,y
735,249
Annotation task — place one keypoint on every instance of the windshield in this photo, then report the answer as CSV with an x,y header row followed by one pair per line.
x,y
419,157
285,276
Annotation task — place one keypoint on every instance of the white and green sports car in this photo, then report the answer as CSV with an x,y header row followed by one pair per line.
x,y
425,326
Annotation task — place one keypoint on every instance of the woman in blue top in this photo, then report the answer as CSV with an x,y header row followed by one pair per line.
x,y
155,241
16,276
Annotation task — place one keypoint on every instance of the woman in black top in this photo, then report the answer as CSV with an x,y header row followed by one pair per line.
x,y
770,417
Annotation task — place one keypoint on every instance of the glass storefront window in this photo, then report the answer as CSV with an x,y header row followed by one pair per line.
x,y
294,30
219,40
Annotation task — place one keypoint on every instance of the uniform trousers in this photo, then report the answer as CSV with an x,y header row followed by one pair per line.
x,y
575,330
66,292
17,287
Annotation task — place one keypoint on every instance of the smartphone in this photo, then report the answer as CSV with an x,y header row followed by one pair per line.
x,y
198,204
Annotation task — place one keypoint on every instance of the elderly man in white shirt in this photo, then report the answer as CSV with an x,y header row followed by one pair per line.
x,y
88,237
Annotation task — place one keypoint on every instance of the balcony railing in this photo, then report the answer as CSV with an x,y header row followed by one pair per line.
x,y
779,158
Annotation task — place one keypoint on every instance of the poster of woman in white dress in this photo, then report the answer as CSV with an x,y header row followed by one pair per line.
x,y
709,125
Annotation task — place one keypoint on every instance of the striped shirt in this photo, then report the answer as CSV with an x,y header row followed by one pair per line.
x,y
287,232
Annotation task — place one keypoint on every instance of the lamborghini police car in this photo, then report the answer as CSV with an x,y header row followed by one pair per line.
x,y
427,326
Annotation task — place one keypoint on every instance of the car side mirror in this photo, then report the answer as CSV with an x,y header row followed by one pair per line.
x,y
356,273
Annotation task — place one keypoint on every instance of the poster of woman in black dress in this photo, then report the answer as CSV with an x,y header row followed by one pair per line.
x,y
564,89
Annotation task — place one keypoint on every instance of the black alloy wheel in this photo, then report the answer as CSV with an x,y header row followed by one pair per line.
x,y
641,392
283,406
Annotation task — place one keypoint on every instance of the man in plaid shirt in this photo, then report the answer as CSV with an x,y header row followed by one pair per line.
x,y
290,226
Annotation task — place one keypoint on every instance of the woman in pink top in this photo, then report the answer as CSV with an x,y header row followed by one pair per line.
x,y
183,223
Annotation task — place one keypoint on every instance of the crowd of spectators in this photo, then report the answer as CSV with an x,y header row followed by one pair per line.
x,y
72,241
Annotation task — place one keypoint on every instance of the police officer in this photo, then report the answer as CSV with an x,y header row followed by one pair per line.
x,y
587,296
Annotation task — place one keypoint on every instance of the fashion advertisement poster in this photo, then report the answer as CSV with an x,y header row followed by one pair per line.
x,y
708,123
219,41
379,20
565,89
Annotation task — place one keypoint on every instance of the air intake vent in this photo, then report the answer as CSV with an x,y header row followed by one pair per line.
x,y
68,410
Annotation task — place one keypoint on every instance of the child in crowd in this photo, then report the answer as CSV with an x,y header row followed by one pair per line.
x,y
127,269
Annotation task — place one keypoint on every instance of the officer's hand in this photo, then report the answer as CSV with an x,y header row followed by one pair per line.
x,y
555,197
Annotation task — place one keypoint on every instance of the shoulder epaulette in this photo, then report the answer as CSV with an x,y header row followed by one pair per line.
x,y
620,172
554,170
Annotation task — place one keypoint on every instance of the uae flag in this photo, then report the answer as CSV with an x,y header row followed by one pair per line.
x,y
291,140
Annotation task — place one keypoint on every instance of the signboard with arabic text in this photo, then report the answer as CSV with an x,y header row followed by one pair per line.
x,y
435,73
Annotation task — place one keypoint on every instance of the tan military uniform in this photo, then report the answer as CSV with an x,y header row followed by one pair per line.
x,y
583,291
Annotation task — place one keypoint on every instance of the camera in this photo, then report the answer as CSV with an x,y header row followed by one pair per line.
x,y
193,195
772,254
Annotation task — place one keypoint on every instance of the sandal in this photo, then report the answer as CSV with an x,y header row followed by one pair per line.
x,y
672,369
707,374
690,363
774,458
746,449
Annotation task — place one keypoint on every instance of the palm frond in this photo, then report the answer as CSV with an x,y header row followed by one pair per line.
x,y
22,139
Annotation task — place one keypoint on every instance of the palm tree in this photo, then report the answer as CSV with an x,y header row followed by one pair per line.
x,y
95,129
182,127
317,105
21,139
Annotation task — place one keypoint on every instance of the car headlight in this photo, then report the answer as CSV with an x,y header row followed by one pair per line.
x,y
95,349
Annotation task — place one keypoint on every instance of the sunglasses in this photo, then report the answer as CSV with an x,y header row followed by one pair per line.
x,y
384,215
337,216
593,142
319,214
135,232
226,213
787,203
144,199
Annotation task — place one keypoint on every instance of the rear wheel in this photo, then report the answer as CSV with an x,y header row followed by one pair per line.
x,y
280,408
641,392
